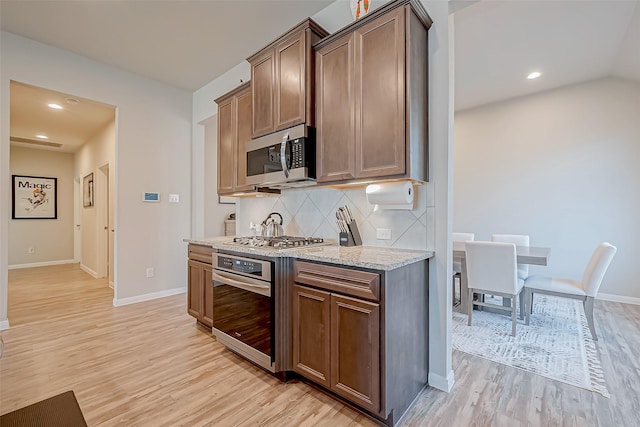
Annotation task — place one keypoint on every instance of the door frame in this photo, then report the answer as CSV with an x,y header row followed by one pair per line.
x,y
103,221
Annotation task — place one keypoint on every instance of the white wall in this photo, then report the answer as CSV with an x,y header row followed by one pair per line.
x,y
561,166
152,154
52,239
96,152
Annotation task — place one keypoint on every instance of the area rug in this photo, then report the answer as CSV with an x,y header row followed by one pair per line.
x,y
557,343
57,411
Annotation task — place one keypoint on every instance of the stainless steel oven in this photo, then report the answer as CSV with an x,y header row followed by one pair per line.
x,y
243,307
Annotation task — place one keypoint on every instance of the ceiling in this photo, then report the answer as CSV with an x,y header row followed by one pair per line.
x,y
188,43
498,43
71,126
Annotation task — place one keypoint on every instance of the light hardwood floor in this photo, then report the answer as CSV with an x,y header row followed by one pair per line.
x,y
148,364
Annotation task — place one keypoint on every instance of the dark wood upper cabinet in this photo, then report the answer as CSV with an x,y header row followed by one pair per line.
x,y
226,142
234,131
335,110
379,106
283,80
263,76
372,97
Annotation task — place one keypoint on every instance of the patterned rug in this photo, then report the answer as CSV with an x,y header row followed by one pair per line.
x,y
557,344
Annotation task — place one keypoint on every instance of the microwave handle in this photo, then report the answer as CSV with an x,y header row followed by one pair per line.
x,y
283,155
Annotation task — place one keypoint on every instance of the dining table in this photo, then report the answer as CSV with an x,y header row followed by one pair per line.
x,y
532,255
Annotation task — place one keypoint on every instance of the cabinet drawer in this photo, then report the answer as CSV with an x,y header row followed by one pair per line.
x,y
201,253
346,281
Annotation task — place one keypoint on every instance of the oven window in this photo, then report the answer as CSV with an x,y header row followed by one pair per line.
x,y
243,315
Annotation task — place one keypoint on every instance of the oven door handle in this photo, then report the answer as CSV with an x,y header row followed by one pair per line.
x,y
251,287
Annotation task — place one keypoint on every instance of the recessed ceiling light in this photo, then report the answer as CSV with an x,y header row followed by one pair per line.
x,y
534,75
55,106
42,136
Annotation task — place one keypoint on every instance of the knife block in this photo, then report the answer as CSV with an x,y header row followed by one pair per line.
x,y
352,237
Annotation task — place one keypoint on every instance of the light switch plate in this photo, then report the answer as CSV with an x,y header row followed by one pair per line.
x,y
174,198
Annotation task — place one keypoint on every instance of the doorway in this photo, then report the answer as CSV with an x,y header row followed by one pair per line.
x,y
66,137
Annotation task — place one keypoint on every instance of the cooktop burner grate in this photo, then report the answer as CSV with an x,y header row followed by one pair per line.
x,y
279,242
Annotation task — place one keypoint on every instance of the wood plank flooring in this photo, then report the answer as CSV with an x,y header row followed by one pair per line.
x,y
149,364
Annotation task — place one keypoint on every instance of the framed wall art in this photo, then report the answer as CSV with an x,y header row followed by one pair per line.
x,y
34,197
87,191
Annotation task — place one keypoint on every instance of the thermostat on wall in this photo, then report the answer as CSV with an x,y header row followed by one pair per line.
x,y
150,197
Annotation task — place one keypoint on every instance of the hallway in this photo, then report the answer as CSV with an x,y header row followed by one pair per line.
x,y
41,293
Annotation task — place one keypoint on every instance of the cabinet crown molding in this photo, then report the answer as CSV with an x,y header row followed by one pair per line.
x,y
416,6
307,23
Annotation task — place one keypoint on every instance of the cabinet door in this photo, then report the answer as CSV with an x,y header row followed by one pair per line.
x,y
243,121
335,113
207,295
290,87
355,351
194,289
262,83
380,96
311,315
226,146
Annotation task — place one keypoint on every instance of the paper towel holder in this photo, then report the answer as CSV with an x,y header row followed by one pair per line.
x,y
396,195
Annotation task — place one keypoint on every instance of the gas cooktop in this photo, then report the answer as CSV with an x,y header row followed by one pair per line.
x,y
280,242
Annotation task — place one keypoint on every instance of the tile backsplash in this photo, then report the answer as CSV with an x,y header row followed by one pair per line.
x,y
311,212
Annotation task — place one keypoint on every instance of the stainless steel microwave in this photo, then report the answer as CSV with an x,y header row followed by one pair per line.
x,y
284,159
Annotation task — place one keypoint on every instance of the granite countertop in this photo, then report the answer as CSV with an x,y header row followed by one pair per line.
x,y
373,257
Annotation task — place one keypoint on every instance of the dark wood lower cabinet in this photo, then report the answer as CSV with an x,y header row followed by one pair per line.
x,y
311,329
200,284
337,344
355,351
363,334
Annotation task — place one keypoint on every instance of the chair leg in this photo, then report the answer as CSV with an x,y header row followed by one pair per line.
x,y
513,316
528,297
588,311
521,297
470,306
531,303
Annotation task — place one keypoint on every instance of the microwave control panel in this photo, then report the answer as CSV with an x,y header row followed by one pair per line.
x,y
297,153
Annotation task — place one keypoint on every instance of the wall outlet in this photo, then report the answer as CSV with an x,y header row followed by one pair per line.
x,y
383,233
150,272
174,198
31,250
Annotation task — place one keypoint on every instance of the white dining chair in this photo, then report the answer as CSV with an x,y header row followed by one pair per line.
x,y
584,290
492,269
457,264
518,240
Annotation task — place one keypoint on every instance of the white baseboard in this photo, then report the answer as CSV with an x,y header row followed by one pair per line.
x,y
440,382
89,271
147,297
41,264
4,324
618,298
